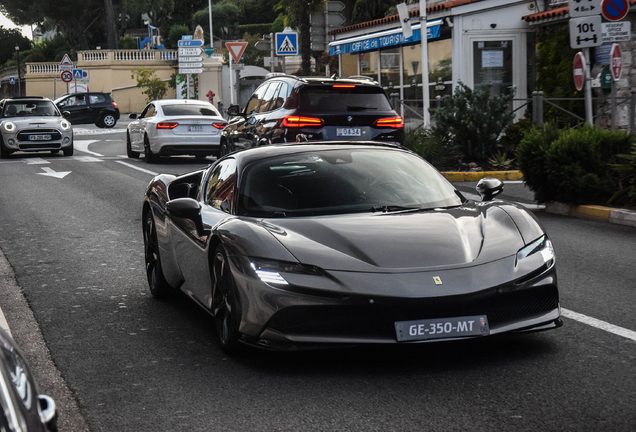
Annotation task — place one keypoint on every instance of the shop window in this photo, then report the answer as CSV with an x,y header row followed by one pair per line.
x,y
349,65
492,65
369,64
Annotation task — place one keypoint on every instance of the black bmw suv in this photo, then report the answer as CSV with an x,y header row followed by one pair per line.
x,y
320,108
86,108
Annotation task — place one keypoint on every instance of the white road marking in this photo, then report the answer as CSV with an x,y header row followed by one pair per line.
x,y
137,168
82,145
87,159
513,181
83,131
50,173
35,161
602,325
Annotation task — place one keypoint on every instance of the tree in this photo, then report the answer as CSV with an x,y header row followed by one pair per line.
x,y
297,13
368,10
9,39
146,78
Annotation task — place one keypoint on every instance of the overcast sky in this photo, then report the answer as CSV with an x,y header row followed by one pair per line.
x,y
6,23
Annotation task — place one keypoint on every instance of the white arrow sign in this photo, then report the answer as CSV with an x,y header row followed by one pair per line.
x,y
190,59
50,173
190,51
190,71
190,65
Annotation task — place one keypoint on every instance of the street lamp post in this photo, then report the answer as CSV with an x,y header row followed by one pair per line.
x,y
17,51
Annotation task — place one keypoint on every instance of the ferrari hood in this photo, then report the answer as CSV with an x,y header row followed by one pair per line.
x,y
471,234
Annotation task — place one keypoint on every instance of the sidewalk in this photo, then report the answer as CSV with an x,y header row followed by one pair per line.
x,y
516,190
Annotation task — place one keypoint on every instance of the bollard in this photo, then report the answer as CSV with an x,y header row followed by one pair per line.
x,y
540,108
632,108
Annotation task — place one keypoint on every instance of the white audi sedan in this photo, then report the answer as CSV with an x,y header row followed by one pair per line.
x,y
175,127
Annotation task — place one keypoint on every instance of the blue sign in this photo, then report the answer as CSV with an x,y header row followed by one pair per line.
x,y
78,74
396,39
603,54
186,37
614,10
11,80
190,43
286,44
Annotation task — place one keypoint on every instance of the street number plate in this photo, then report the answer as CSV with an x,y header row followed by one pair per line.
x,y
348,132
39,137
195,128
442,328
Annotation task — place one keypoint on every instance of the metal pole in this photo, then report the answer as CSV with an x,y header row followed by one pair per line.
x,y
211,34
231,83
540,108
589,116
613,94
55,87
632,110
271,52
424,48
19,77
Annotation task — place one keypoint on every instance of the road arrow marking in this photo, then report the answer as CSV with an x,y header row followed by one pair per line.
x,y
50,173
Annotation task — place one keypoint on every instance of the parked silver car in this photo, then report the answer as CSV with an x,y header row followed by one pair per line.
x,y
33,124
175,127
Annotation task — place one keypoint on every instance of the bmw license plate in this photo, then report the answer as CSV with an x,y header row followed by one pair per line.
x,y
39,137
442,328
195,128
348,132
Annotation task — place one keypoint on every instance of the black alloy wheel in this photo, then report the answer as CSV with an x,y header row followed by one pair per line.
x,y
68,151
150,156
4,152
108,120
131,154
159,287
223,149
224,302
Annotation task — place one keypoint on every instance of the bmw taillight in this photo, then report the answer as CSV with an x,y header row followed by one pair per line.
x,y
167,125
393,122
219,125
296,121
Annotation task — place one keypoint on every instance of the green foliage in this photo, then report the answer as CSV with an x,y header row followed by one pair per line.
x,y
368,10
155,88
627,170
175,33
513,135
571,166
473,120
279,24
255,29
225,15
554,74
442,155
500,161
9,39
126,42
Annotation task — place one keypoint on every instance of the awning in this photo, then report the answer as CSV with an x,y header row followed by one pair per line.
x,y
385,39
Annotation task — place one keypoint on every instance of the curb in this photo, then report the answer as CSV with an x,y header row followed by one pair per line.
x,y
594,212
460,176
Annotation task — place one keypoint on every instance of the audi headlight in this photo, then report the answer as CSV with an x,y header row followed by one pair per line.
x,y
9,126
542,245
65,125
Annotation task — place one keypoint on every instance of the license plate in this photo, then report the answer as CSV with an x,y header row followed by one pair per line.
x,y
39,137
195,128
442,328
348,132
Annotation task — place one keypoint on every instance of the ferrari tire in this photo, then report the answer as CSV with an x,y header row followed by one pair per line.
x,y
223,149
225,310
68,151
150,156
129,151
159,286
108,120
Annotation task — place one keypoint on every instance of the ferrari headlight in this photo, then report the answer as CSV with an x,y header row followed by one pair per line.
x,y
65,125
542,245
272,271
268,273
9,126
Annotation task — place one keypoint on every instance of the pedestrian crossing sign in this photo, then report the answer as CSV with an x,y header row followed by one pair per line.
x,y
286,44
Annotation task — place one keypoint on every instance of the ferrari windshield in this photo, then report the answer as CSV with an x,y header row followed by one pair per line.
x,y
338,181
29,109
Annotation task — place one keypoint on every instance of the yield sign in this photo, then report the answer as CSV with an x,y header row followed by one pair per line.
x,y
617,64
236,49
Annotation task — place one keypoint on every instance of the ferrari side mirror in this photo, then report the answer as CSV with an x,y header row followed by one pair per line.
x,y
489,187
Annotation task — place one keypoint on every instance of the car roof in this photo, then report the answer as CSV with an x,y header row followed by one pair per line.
x,y
26,98
247,156
356,79
161,102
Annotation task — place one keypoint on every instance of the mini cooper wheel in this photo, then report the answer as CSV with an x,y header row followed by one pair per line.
x,y
129,151
107,120
68,151
159,287
224,302
4,152
150,156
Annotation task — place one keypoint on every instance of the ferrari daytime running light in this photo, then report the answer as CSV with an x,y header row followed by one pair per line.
x,y
9,126
269,276
542,245
65,125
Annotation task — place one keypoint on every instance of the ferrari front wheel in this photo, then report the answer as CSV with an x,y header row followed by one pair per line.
x,y
224,307
159,286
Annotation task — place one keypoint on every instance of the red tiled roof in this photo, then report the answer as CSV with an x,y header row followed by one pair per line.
x,y
396,18
561,12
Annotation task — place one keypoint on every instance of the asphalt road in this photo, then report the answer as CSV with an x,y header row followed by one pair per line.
x,y
133,363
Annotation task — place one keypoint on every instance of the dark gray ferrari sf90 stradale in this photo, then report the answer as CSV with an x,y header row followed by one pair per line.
x,y
321,244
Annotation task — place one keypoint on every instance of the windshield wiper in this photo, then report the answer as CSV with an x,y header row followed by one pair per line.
x,y
394,208
359,108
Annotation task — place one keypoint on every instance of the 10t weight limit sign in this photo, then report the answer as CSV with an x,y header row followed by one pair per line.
x,y
585,32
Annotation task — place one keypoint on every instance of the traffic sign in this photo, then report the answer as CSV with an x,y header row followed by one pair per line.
x,y
616,31
66,63
614,10
287,44
190,65
67,76
190,43
190,51
78,73
579,70
585,32
190,71
11,80
579,8
236,49
617,62
190,59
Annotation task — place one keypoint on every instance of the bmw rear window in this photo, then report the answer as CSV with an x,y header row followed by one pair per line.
x,y
186,110
347,99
